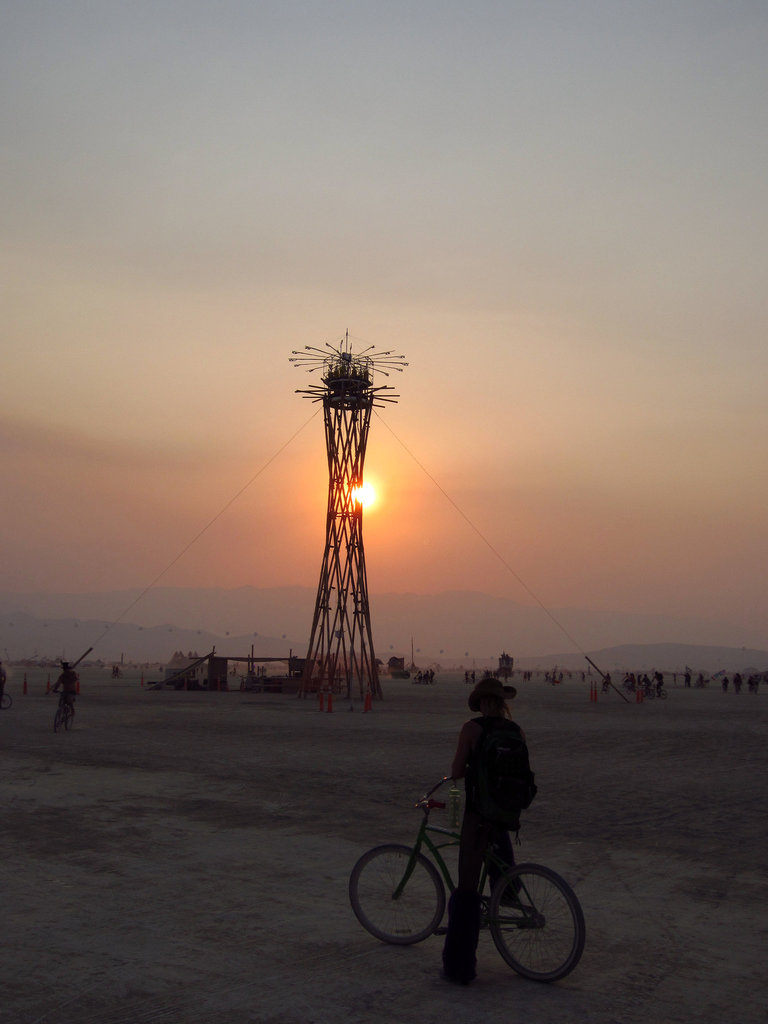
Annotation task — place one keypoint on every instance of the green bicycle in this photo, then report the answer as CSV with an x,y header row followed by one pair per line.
x,y
399,895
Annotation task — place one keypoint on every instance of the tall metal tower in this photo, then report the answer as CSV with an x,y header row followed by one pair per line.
x,y
340,653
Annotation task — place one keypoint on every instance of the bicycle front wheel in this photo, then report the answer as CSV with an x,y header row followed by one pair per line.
x,y
58,719
69,717
391,904
536,922
5,701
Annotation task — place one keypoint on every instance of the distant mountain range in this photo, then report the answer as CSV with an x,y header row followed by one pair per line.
x,y
453,628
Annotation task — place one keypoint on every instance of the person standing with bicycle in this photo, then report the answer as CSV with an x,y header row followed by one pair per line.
x,y
489,698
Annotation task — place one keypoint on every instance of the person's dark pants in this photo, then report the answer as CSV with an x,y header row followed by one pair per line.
x,y
476,836
460,949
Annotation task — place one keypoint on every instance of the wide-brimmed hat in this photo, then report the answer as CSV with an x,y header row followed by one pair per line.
x,y
489,688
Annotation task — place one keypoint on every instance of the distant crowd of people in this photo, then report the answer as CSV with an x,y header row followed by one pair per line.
x,y
427,677
650,684
753,682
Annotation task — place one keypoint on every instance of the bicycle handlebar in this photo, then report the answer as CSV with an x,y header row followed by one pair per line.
x,y
426,803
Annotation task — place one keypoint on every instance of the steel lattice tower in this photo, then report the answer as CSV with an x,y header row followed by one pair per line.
x,y
340,653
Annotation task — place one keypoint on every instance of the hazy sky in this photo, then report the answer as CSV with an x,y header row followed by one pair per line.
x,y
555,210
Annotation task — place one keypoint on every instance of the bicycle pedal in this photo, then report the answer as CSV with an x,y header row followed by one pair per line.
x,y
440,931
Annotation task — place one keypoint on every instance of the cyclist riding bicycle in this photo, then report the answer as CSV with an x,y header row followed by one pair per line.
x,y
67,681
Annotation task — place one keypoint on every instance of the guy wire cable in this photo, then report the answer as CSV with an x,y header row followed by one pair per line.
x,y
491,547
207,527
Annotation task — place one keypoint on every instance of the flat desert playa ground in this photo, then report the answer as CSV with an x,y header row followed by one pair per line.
x,y
184,857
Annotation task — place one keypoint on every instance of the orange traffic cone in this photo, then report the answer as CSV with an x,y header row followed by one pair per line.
x,y
330,700
142,680
48,685
368,706
25,682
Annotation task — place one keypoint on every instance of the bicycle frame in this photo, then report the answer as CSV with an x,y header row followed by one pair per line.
x,y
65,712
423,840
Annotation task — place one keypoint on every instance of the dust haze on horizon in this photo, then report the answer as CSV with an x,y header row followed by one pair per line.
x,y
556,212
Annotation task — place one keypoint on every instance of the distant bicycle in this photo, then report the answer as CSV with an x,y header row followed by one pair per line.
x,y
5,700
655,693
65,715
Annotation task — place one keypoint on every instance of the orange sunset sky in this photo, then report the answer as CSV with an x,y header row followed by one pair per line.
x,y
555,211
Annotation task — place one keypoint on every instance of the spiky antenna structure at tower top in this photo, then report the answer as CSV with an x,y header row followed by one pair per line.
x,y
340,657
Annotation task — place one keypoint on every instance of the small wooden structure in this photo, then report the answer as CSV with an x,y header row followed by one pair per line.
x,y
211,672
506,666
397,668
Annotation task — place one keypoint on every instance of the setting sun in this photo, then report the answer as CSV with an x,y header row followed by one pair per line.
x,y
365,494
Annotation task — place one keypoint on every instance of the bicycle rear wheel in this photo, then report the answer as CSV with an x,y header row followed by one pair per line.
x,y
58,719
5,701
404,918
69,717
536,922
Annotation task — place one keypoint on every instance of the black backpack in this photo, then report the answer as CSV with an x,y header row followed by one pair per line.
x,y
500,783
